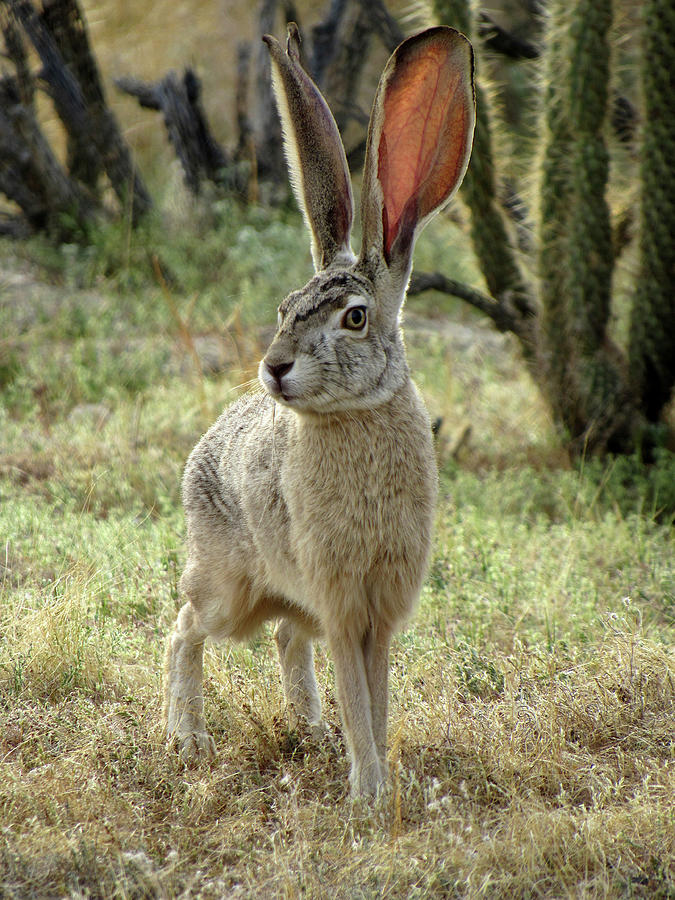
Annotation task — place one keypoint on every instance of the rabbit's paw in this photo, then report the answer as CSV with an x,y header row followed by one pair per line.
x,y
314,732
367,781
321,733
195,747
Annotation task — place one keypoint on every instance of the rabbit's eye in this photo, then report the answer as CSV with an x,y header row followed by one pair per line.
x,y
355,318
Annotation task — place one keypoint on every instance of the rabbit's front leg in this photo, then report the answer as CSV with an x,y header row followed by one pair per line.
x,y
367,776
183,697
376,657
296,658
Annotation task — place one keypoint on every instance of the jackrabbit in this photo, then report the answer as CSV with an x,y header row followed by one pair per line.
x,y
312,502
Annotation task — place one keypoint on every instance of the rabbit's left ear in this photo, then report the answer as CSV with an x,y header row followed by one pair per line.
x,y
314,152
419,144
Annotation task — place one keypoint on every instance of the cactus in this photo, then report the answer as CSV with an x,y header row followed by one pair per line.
x,y
553,218
600,399
575,239
651,353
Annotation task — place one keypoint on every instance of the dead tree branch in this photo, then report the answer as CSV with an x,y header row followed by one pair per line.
x,y
179,101
505,42
383,24
32,175
504,317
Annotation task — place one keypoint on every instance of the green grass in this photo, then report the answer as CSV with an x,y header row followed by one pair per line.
x,y
531,729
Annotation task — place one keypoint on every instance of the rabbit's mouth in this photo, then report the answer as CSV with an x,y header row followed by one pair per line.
x,y
277,378
297,400
286,397
281,395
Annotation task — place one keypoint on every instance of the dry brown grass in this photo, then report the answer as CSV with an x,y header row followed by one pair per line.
x,y
555,780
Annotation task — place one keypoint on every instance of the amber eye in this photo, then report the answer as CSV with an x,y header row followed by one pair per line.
x,y
355,318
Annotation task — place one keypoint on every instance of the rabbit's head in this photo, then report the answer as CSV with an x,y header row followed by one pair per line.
x,y
338,344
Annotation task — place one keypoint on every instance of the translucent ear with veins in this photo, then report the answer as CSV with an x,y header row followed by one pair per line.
x,y
419,143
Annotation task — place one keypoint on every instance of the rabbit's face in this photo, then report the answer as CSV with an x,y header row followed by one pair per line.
x,y
332,351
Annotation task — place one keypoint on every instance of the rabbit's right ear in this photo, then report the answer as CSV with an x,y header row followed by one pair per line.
x,y
314,152
419,144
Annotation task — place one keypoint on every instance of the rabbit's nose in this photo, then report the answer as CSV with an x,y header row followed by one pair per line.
x,y
279,370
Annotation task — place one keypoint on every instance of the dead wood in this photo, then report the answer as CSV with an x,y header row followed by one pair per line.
x,y
49,194
179,101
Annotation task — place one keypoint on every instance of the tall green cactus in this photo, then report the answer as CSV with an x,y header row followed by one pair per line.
x,y
600,399
553,214
575,240
575,258
651,352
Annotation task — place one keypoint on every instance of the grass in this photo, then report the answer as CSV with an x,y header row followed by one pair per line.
x,y
531,729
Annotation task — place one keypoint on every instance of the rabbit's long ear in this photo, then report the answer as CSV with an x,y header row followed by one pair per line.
x,y
316,158
419,144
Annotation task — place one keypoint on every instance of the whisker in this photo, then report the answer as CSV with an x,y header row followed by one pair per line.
x,y
244,384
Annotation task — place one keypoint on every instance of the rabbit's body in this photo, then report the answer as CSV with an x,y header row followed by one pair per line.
x,y
315,521
312,503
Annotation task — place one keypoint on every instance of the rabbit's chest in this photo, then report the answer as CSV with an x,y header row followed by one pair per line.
x,y
363,503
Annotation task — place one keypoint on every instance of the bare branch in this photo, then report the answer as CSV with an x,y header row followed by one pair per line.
x,y
144,91
69,75
504,318
501,41
324,40
244,127
178,99
384,24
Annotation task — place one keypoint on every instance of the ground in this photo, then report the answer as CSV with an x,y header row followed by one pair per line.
x,y
531,732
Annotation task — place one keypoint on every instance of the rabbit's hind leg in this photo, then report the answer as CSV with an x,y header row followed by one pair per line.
x,y
296,659
183,697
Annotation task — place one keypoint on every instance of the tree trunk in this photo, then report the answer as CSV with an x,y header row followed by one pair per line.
x,y
31,175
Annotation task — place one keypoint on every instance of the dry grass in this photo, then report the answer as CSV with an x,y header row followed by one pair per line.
x,y
558,783
531,733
